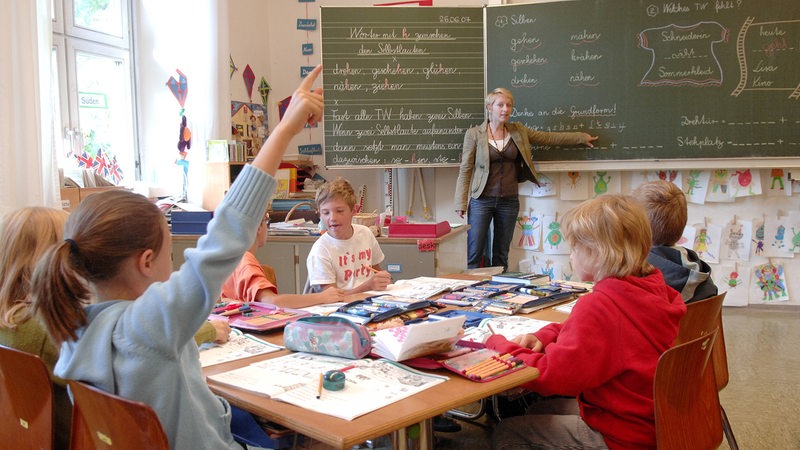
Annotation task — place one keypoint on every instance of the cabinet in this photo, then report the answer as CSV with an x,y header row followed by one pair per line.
x,y
404,258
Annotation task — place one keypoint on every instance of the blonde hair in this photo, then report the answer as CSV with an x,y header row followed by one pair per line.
x,y
336,189
491,97
101,233
612,230
666,209
26,234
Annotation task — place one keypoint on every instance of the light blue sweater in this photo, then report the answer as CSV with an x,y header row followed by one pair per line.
x,y
144,349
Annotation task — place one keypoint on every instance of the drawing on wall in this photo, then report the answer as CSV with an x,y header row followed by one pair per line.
x,y
574,186
777,242
758,237
707,242
737,285
737,238
547,186
554,242
687,238
604,182
673,176
779,184
529,230
769,283
550,269
697,186
718,187
744,183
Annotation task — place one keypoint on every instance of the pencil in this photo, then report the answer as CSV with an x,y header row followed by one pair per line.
x,y
374,270
489,326
319,386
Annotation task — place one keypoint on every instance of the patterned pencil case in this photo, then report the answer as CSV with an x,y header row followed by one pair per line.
x,y
333,336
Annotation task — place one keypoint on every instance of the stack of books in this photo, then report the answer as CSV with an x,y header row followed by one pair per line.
x,y
527,278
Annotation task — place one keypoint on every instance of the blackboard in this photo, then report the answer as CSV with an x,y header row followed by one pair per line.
x,y
402,85
687,83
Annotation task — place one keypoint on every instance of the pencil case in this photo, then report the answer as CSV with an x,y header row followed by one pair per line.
x,y
467,359
325,335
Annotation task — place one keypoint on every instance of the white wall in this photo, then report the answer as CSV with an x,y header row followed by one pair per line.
x,y
264,35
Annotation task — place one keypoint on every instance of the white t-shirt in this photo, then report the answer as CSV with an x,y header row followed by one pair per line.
x,y
344,262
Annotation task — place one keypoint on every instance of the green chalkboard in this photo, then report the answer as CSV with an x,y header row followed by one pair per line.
x,y
402,85
693,81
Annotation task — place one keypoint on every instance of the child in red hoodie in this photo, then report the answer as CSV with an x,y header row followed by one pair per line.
x,y
605,354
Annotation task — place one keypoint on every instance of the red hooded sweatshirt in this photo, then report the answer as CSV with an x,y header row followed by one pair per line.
x,y
606,353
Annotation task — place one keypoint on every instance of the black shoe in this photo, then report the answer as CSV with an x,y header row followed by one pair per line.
x,y
445,425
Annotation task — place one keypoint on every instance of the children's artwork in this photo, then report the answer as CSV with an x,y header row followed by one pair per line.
x,y
744,183
249,79
707,242
673,176
549,268
604,182
574,185
777,238
263,89
769,284
737,237
687,238
547,186
249,126
793,224
729,279
231,66
718,187
778,184
553,241
529,230
697,186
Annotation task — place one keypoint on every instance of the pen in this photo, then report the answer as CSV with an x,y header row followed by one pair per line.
x,y
319,386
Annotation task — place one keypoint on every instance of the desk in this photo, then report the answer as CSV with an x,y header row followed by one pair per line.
x,y
394,418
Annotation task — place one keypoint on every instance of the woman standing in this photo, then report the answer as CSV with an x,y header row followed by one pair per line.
x,y
496,157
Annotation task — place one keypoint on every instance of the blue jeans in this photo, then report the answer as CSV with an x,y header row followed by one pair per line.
x,y
501,212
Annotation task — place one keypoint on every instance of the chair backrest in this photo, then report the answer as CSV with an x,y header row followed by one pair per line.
x,y
101,420
702,317
269,272
686,399
26,399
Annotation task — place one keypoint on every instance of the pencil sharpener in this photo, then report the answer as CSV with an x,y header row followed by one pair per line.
x,y
333,380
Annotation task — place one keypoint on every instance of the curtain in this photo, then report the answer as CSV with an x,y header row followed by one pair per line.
x,y
28,170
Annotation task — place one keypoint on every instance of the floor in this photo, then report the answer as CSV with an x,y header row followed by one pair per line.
x,y
762,396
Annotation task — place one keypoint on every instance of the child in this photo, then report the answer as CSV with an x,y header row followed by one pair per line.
x,y
683,269
248,282
347,255
135,339
606,353
26,234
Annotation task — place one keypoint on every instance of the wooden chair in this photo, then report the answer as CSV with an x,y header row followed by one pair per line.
x,y
702,317
101,420
269,272
685,397
26,396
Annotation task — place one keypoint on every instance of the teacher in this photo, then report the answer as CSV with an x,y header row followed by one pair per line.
x,y
496,157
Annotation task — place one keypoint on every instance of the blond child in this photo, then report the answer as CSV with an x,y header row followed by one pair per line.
x,y
347,255
606,353
135,339
682,268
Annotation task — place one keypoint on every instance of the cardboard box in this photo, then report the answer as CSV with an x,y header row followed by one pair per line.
x,y
190,222
72,196
418,230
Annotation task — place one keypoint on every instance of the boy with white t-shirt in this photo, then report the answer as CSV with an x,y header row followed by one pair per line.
x,y
347,256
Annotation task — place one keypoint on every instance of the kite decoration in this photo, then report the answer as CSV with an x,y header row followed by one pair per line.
x,y
249,79
180,89
264,89
232,66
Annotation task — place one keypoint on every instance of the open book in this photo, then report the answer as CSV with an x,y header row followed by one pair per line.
x,y
239,345
419,339
294,378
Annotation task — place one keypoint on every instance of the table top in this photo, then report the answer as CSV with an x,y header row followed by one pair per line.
x,y
343,434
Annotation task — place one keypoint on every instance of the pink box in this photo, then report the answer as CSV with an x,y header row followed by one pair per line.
x,y
418,230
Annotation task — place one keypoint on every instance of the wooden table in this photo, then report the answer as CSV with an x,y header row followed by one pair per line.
x,y
392,419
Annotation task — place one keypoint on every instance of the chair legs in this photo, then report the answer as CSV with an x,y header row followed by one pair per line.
x,y
726,427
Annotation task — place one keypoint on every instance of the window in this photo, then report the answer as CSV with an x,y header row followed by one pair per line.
x,y
94,105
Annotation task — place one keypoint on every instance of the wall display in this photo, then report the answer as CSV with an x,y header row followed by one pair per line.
x,y
695,85
402,85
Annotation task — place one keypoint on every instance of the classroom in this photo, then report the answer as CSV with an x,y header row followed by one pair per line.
x,y
215,77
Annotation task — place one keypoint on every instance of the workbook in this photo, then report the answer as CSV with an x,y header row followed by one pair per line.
x,y
239,345
255,316
294,378
419,339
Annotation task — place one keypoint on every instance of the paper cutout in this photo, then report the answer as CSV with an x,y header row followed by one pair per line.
x,y
263,89
179,88
249,78
232,66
